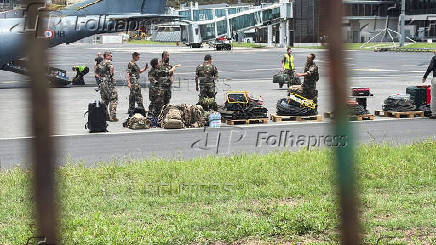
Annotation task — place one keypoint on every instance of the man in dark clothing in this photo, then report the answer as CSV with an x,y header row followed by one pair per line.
x,y
432,68
81,71
97,62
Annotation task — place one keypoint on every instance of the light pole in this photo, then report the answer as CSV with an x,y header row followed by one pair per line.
x,y
403,22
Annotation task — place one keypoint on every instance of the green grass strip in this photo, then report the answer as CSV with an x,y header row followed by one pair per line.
x,y
274,198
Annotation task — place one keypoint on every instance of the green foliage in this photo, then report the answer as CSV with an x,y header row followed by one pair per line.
x,y
275,198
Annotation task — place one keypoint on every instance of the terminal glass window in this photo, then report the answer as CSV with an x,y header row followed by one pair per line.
x,y
233,11
267,15
203,14
220,12
276,13
186,14
242,22
222,27
207,31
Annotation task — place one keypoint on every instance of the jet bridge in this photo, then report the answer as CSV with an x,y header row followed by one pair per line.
x,y
203,23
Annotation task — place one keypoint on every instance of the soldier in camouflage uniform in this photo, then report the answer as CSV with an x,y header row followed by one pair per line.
x,y
158,78
311,76
167,78
133,75
108,92
156,89
207,75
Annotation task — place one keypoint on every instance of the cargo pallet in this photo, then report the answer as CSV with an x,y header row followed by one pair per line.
x,y
398,114
353,117
276,118
245,121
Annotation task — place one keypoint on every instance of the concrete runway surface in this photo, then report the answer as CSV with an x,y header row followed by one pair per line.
x,y
240,69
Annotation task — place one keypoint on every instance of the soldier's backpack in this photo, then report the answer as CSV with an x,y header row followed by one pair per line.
x,y
137,121
193,116
171,118
97,115
182,116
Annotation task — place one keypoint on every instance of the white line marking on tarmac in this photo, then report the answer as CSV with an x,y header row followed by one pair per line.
x,y
159,130
375,70
10,82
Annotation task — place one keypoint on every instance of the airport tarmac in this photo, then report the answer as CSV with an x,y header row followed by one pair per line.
x,y
240,69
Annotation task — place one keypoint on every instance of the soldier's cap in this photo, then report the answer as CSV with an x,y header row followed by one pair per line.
x,y
107,53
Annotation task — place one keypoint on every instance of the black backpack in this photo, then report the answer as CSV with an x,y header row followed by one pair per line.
x,y
97,115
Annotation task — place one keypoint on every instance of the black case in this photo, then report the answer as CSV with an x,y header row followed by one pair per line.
x,y
417,95
97,116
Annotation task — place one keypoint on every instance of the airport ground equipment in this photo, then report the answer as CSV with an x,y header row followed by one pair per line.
x,y
56,77
222,43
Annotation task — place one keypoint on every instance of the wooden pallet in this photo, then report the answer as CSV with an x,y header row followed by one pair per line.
x,y
276,118
397,114
245,121
352,118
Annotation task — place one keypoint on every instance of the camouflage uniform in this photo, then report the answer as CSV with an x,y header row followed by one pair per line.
x,y
207,74
167,81
156,92
309,85
108,92
135,88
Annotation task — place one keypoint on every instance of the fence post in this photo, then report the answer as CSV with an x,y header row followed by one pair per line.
x,y
331,14
43,162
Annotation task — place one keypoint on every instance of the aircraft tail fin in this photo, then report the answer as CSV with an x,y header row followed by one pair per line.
x,y
117,7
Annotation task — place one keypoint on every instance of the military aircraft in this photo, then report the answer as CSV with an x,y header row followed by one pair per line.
x,y
74,22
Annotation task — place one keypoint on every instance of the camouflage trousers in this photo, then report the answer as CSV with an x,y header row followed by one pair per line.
x,y
109,96
207,90
156,96
167,94
135,96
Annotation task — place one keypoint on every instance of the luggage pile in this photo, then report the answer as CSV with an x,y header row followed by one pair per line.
x,y
399,103
239,105
182,116
137,121
355,109
296,105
